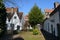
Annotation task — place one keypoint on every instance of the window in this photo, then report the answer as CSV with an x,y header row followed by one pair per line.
x,y
15,17
48,26
20,20
51,28
47,14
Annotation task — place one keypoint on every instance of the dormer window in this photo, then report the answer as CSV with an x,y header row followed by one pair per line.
x,y
47,14
14,17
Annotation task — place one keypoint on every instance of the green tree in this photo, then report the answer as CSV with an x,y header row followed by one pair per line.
x,y
2,18
35,16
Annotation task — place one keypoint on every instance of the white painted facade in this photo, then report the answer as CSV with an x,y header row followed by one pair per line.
x,y
15,20
51,23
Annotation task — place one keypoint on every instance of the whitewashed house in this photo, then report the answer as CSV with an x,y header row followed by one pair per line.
x,y
52,24
14,19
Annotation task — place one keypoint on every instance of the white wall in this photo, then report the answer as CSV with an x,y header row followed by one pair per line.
x,y
15,21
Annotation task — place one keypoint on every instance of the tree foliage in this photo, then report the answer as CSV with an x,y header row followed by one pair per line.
x,y
2,17
35,16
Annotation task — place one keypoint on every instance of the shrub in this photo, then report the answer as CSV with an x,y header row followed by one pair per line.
x,y
35,32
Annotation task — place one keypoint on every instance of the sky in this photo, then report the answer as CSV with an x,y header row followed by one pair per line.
x,y
26,5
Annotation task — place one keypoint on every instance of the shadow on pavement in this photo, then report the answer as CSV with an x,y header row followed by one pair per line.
x,y
6,37
18,38
48,36
10,37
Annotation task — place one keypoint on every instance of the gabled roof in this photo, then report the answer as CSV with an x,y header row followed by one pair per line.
x,y
26,17
10,14
20,14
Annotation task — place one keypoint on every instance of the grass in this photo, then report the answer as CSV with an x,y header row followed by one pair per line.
x,y
30,36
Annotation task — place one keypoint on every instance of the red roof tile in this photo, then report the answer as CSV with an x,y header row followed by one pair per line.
x,y
10,14
9,10
48,10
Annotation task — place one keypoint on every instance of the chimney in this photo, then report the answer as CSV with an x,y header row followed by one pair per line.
x,y
56,4
12,10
